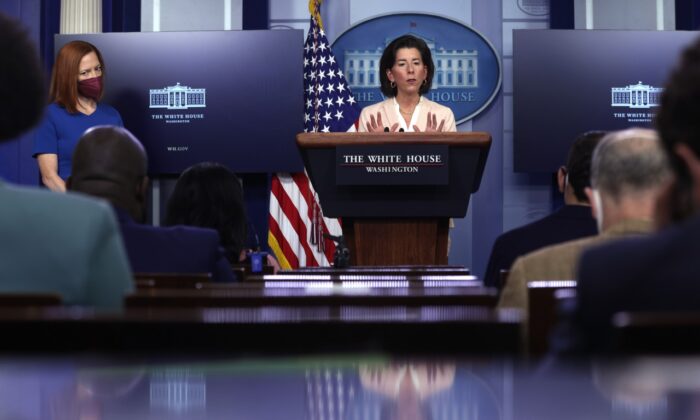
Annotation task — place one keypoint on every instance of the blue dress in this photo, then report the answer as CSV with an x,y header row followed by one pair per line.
x,y
59,132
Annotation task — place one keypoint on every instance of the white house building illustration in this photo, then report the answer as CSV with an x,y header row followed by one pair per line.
x,y
636,96
178,97
453,68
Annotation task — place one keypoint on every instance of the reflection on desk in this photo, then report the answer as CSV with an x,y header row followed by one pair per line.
x,y
371,387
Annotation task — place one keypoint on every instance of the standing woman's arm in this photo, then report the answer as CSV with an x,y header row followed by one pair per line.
x,y
48,167
46,152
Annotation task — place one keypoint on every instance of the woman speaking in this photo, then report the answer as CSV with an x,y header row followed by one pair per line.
x,y
76,88
406,72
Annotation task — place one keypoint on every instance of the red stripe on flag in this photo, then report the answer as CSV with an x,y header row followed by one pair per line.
x,y
283,243
277,190
296,222
304,184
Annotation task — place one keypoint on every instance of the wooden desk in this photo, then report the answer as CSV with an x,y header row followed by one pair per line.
x,y
234,296
426,330
656,332
379,270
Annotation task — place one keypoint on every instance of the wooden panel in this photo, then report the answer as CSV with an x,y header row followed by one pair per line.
x,y
396,241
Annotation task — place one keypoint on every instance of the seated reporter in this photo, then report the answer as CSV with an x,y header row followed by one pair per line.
x,y
110,163
629,171
210,195
406,72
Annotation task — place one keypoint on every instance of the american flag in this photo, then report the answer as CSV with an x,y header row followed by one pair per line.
x,y
296,220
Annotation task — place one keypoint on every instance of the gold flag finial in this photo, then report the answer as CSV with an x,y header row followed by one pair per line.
x,y
315,10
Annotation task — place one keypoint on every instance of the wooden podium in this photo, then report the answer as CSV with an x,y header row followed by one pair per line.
x,y
395,192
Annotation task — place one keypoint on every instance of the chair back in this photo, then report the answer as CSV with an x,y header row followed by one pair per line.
x,y
171,280
542,312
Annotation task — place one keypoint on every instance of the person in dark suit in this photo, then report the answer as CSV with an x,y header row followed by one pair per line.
x,y
572,221
110,163
661,272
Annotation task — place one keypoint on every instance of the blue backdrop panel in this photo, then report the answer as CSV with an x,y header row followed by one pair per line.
x,y
233,97
561,90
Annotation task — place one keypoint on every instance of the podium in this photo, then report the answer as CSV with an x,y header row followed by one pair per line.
x,y
395,192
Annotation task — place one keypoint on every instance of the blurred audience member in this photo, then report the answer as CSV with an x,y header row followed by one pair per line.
x,y
570,222
661,272
51,242
629,170
110,163
210,195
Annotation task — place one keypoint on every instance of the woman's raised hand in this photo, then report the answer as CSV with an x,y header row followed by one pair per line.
x,y
376,125
432,124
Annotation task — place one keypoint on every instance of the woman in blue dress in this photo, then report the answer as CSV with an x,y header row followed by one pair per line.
x,y
76,88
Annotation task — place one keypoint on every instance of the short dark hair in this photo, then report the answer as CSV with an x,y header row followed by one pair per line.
x,y
22,87
578,165
677,118
389,58
210,195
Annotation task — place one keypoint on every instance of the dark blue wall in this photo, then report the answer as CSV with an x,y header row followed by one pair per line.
x,y
256,15
561,14
688,15
16,162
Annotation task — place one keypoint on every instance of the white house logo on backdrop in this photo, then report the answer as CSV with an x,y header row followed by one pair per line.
x,y
454,68
176,99
534,7
638,98
467,67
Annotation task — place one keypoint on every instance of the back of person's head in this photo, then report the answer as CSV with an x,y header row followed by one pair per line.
x,y
578,164
628,163
210,195
21,81
64,77
677,118
109,162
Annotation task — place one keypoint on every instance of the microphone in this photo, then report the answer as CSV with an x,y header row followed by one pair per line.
x,y
400,130
386,129
341,258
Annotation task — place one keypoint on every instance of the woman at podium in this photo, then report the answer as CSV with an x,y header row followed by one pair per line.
x,y
76,88
406,72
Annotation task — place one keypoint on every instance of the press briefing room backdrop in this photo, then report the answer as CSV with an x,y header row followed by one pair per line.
x,y
506,198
